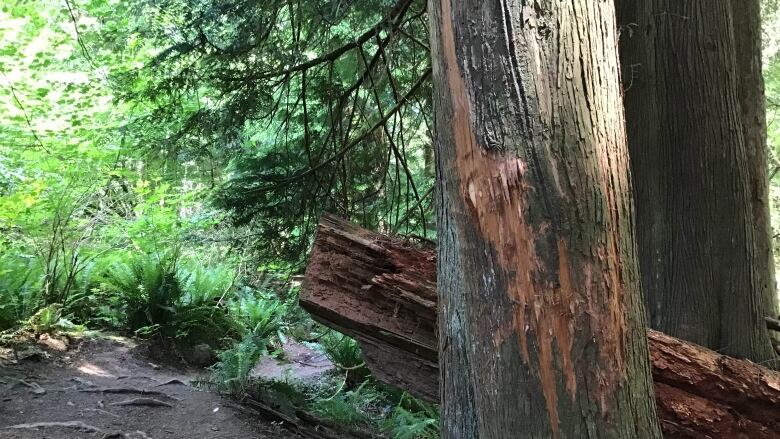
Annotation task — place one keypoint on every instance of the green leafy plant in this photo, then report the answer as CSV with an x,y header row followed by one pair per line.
x,y
148,288
45,320
343,351
51,319
160,296
231,373
19,289
90,302
201,315
345,354
363,406
205,285
261,316
343,408
286,394
413,419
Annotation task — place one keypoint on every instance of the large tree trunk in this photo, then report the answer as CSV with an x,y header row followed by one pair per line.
x,y
382,291
702,220
752,107
541,320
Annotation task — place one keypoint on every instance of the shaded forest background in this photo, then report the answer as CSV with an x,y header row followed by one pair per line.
x,y
163,165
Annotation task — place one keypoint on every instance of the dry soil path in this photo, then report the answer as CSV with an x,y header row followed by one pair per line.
x,y
106,388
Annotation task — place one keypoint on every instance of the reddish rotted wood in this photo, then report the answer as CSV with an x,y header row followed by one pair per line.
x,y
701,393
381,290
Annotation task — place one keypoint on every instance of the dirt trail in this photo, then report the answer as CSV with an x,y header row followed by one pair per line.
x,y
107,388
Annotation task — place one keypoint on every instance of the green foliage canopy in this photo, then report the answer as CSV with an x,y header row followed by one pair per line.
x,y
314,105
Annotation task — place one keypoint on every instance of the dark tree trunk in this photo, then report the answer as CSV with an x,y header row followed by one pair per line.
x,y
541,320
702,249
752,107
381,290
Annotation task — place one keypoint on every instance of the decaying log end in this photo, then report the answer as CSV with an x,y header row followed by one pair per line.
x,y
381,291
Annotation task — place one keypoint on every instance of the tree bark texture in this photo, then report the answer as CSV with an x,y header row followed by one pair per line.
x,y
541,320
382,291
752,107
700,191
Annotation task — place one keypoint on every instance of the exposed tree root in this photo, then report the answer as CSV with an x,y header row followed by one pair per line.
x,y
76,425
148,402
82,427
131,391
126,391
172,382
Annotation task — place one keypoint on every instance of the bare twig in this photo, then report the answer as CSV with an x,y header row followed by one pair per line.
x,y
412,91
398,11
79,40
172,382
25,114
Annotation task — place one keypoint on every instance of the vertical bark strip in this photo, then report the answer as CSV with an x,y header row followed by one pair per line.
x,y
702,220
541,320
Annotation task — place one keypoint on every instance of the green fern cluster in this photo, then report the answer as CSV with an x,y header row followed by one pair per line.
x,y
413,419
342,408
395,413
20,289
89,302
370,406
345,354
232,373
363,404
262,316
158,294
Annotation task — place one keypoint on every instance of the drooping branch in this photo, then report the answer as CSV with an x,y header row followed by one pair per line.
x,y
355,142
311,117
396,13
79,38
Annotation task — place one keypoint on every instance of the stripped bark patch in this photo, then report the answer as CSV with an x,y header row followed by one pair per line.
x,y
499,190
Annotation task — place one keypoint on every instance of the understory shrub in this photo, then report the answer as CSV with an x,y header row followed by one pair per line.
x,y
261,316
160,295
231,374
412,418
20,289
345,354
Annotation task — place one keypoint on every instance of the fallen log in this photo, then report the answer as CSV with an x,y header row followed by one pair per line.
x,y
381,290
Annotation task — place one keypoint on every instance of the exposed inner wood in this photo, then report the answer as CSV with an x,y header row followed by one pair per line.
x,y
381,290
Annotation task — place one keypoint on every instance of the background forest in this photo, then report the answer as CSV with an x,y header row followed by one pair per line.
x,y
156,181
163,165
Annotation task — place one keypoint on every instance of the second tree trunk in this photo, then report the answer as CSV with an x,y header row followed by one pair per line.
x,y
702,219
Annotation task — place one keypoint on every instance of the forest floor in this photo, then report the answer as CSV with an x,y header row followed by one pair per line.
x,y
108,387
